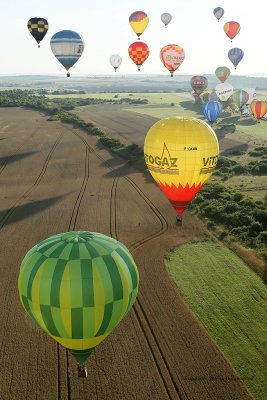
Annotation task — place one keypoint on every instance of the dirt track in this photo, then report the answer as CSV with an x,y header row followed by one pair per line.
x,y
54,179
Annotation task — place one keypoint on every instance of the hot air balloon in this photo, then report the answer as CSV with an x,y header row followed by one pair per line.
x,y
196,97
224,91
259,109
115,60
172,57
181,154
222,73
231,29
138,52
218,12
213,96
211,110
235,55
38,28
67,47
166,18
251,94
78,286
240,98
199,83
138,21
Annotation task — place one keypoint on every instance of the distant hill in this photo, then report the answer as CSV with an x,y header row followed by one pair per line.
x,y
124,83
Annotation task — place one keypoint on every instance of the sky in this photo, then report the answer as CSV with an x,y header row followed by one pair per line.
x,y
104,26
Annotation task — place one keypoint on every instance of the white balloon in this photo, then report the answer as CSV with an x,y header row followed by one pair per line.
x,y
115,60
224,91
252,94
166,18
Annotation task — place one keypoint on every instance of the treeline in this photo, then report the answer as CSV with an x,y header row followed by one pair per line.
x,y
234,215
226,168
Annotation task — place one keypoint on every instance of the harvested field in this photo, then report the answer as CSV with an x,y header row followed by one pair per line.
x,y
55,179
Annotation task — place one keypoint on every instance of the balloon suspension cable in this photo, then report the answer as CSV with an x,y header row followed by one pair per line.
x,y
82,371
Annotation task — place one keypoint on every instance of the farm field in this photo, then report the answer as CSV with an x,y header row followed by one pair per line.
x,y
230,301
53,179
131,123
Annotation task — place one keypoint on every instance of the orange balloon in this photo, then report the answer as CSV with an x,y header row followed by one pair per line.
x,y
172,57
259,109
138,52
231,29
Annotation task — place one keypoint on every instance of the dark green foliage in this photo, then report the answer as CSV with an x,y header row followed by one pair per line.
x,y
242,217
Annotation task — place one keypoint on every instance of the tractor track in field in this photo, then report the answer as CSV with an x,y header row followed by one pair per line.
x,y
37,181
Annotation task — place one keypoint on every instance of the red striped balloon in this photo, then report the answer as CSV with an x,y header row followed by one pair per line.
x,y
259,109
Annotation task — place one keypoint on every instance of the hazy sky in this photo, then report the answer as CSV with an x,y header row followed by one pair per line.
x,y
105,29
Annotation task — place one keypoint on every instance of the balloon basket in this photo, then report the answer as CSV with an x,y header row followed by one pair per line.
x,y
82,371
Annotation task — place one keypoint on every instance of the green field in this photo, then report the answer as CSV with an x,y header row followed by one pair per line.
x,y
160,107
230,301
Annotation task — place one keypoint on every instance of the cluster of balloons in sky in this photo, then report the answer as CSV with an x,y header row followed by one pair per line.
x,y
68,46
231,28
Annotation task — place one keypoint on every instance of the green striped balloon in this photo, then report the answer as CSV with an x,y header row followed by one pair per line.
x,y
77,286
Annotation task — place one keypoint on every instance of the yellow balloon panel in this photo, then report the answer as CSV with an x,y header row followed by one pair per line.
x,y
138,21
181,155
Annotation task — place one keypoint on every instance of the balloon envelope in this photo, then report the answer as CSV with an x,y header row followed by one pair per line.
x,y
115,60
235,55
199,83
181,154
222,73
240,98
251,94
259,109
211,110
67,46
77,286
218,12
231,29
213,96
38,28
224,91
166,18
138,21
172,57
138,52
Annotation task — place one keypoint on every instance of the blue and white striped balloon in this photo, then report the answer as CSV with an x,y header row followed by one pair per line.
x,y
235,55
211,110
67,47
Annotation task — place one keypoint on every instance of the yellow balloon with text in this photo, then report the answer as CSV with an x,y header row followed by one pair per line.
x,y
181,154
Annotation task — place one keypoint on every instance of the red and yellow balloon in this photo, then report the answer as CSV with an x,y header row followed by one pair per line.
x,y
138,52
231,29
181,154
138,21
172,57
259,109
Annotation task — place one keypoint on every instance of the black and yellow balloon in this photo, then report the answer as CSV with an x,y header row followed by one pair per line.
x,y
77,286
38,28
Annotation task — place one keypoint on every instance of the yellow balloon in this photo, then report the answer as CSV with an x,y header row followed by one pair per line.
x,y
181,154
138,21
